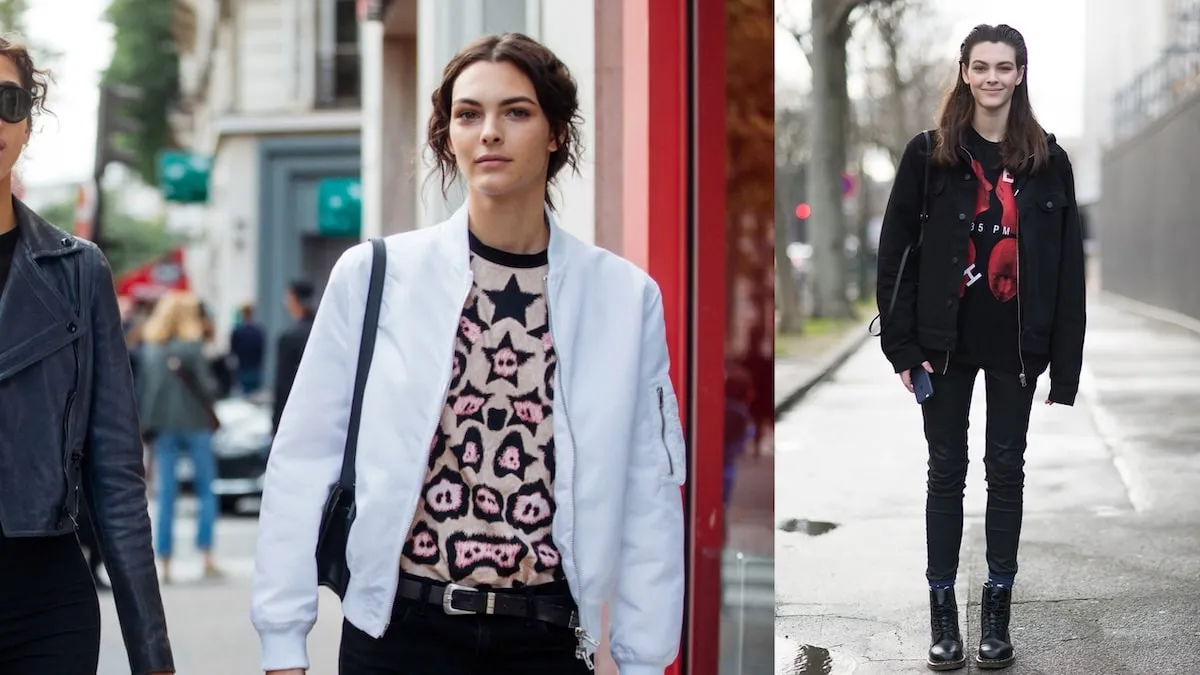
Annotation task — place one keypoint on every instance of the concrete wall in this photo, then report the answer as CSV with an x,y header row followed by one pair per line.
x,y
1146,221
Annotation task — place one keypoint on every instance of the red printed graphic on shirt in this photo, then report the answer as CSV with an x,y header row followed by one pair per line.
x,y
1000,265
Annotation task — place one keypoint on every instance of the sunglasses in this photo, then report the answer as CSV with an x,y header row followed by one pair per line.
x,y
16,103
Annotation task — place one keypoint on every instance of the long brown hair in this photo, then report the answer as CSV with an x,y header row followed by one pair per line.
x,y
1024,147
557,94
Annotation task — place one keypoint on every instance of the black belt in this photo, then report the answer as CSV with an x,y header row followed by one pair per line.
x,y
463,600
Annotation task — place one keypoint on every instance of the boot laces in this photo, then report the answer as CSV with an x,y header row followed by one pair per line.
x,y
995,614
945,622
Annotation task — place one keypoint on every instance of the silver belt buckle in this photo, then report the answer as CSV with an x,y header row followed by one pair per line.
x,y
448,599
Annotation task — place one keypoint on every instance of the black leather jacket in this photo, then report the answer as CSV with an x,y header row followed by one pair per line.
x,y
69,425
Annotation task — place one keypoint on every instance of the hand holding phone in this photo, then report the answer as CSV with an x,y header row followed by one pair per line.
x,y
918,382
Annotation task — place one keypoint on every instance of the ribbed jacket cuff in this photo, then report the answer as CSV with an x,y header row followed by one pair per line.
x,y
285,648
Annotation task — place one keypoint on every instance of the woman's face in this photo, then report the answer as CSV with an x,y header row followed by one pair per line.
x,y
500,138
13,136
992,73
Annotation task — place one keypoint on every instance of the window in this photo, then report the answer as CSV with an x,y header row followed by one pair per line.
x,y
338,70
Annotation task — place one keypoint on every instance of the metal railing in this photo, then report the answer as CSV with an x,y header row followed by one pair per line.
x,y
1172,78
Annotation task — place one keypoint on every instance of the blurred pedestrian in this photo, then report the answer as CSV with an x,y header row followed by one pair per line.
x,y
981,268
177,395
68,433
299,303
248,346
492,525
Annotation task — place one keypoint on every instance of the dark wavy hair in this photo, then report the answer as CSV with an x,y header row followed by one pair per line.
x,y
1024,147
557,94
35,80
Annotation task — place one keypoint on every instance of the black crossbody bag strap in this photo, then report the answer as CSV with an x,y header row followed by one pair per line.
x,y
366,350
920,234
340,507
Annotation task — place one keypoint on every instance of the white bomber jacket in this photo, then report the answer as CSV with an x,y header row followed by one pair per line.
x,y
617,437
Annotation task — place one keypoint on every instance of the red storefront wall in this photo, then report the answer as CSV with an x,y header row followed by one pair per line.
x,y
673,224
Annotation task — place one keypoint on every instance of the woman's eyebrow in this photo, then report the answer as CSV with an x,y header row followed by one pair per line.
x,y
508,101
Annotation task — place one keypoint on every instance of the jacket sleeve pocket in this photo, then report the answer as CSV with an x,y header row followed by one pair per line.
x,y
670,441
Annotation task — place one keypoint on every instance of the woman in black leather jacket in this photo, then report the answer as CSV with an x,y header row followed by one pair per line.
x,y
981,268
68,431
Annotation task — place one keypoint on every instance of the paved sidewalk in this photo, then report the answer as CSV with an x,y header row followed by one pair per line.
x,y
1110,551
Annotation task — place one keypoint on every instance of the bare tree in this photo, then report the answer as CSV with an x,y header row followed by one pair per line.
x,y
824,44
903,78
791,155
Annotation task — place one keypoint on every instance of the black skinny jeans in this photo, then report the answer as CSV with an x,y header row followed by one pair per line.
x,y
422,640
946,417
49,613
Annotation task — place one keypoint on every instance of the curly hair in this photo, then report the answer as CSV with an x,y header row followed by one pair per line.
x,y
35,80
557,94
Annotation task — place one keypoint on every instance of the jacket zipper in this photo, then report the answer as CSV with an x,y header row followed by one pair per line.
x,y
1020,350
437,419
662,419
581,634
70,459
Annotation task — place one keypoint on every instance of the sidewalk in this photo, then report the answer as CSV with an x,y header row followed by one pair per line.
x,y
1110,551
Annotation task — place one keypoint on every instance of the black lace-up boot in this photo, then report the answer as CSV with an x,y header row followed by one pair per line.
x,y
995,647
946,650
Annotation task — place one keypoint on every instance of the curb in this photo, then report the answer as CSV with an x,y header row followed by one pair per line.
x,y
855,339
1148,311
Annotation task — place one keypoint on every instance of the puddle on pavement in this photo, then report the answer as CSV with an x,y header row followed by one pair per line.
x,y
813,528
801,659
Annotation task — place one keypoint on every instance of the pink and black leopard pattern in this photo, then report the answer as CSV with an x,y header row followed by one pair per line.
x,y
487,503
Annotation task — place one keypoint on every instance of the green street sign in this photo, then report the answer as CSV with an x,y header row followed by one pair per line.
x,y
339,207
183,176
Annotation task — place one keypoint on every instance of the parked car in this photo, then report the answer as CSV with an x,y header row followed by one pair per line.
x,y
240,446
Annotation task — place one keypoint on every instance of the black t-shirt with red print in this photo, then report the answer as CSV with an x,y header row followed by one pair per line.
x,y
987,315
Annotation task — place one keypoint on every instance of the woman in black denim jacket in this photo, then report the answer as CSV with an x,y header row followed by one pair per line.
x,y
981,267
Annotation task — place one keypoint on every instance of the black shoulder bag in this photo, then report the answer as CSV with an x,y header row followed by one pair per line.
x,y
912,246
332,570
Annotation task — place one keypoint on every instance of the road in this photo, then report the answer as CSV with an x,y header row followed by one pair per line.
x,y
1110,551
209,621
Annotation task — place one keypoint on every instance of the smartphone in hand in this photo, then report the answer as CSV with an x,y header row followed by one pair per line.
x,y
922,384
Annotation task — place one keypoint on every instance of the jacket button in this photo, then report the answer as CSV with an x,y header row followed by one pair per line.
x,y
967,176
962,216
954,259
71,328
950,302
1049,205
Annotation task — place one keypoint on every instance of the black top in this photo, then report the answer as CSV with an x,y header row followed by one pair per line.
x,y
506,259
8,246
987,317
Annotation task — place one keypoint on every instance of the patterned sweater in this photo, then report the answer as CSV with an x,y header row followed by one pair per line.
x,y
485,513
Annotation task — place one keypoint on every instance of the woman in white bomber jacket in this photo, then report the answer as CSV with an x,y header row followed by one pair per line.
x,y
520,451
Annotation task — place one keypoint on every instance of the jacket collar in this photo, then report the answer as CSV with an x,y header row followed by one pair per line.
x,y
38,237
563,245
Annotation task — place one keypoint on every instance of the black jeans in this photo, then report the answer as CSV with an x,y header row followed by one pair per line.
x,y
423,640
946,418
49,613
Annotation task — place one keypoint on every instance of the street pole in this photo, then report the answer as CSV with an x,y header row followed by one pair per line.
x,y
370,36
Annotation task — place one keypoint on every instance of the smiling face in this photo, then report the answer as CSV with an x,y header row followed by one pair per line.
x,y
13,136
992,74
499,135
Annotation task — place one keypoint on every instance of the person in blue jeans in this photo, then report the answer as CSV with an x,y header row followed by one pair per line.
x,y
176,391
